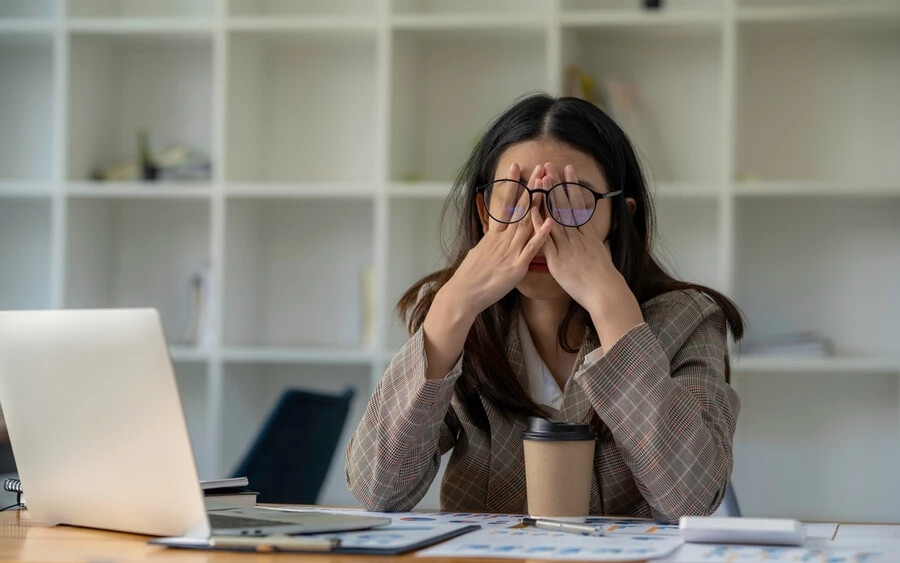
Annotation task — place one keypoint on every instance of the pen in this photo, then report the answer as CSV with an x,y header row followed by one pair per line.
x,y
560,526
276,543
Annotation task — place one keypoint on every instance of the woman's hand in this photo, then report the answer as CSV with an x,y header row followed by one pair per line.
x,y
500,260
579,260
488,272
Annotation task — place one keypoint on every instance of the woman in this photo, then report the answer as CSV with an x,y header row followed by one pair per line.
x,y
553,306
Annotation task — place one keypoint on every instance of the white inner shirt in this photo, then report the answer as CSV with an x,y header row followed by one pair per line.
x,y
544,390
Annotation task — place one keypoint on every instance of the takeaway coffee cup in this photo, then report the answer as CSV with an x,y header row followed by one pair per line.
x,y
559,462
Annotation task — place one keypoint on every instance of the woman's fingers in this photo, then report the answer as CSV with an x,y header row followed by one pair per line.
x,y
522,230
537,240
533,181
563,201
502,201
550,250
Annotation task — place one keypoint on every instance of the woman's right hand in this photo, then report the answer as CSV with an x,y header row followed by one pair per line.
x,y
500,260
489,271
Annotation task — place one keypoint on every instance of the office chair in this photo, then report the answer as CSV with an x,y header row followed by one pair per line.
x,y
289,458
730,503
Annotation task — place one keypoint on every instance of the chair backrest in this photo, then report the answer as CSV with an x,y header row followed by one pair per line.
x,y
289,459
730,503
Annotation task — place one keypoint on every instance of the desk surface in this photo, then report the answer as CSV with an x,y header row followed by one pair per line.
x,y
23,540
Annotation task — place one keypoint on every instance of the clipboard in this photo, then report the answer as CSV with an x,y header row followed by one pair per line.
x,y
394,539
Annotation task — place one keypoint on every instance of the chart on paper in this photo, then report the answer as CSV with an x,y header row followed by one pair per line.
x,y
528,543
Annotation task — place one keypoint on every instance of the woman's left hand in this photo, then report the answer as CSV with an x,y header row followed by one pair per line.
x,y
580,261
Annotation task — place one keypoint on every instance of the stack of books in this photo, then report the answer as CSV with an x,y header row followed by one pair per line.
x,y
220,494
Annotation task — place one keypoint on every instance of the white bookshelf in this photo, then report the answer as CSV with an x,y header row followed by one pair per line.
x,y
336,127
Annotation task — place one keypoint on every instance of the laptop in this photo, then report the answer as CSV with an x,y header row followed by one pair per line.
x,y
99,435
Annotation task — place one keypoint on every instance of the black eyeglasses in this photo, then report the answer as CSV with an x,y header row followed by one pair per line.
x,y
570,204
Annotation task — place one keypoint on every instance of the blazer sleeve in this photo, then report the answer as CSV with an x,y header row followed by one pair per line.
x,y
395,453
673,421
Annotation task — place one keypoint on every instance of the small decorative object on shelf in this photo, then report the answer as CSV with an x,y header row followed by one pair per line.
x,y
580,84
368,307
197,326
653,4
149,170
174,163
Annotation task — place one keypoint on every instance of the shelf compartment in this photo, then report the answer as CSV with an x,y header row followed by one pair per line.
x,y
661,87
687,241
124,83
803,436
836,273
414,251
123,9
26,107
192,389
448,85
304,8
251,391
295,112
125,253
30,9
295,273
25,257
836,120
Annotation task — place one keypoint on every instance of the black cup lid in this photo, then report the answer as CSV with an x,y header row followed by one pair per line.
x,y
541,429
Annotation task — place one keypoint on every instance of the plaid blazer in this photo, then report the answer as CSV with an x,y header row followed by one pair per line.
x,y
658,398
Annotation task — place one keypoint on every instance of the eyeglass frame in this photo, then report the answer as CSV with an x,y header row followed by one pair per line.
x,y
531,191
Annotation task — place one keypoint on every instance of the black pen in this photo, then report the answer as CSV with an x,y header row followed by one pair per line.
x,y
562,526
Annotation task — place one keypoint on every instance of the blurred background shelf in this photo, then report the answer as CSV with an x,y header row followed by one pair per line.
x,y
848,365
332,23
848,189
140,190
19,189
359,190
332,131
317,356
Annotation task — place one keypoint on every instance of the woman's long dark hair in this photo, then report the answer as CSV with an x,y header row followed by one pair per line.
x,y
582,126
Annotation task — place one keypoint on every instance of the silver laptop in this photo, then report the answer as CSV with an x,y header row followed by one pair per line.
x,y
99,435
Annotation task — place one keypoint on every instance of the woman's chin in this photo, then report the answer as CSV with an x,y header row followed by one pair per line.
x,y
539,285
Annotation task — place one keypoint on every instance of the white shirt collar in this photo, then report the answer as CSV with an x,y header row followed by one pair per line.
x,y
541,386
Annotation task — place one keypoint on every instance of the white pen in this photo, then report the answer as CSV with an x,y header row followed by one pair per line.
x,y
561,526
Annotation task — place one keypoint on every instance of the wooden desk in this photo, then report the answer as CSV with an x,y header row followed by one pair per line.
x,y
23,540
